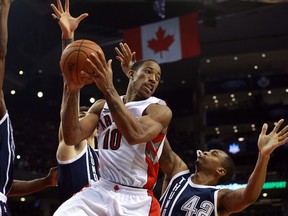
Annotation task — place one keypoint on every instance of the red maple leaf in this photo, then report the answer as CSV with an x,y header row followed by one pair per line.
x,y
161,43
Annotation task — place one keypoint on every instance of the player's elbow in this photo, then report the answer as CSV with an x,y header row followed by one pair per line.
x,y
249,199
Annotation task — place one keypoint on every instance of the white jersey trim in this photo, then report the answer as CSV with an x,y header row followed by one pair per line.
x,y
4,118
172,179
73,159
3,198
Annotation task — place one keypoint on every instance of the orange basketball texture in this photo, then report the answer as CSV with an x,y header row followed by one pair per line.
x,y
73,60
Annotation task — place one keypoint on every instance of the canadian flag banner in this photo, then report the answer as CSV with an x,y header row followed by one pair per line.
x,y
165,41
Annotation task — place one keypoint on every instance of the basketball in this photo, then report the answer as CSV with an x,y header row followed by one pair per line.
x,y
73,60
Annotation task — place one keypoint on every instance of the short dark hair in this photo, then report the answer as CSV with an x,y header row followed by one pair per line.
x,y
229,166
139,63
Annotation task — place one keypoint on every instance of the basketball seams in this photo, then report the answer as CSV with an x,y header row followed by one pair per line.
x,y
78,75
77,60
73,60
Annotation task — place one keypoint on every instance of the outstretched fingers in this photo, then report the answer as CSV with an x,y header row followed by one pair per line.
x,y
283,131
81,17
119,53
60,7
125,52
264,129
283,136
67,6
268,142
278,125
56,13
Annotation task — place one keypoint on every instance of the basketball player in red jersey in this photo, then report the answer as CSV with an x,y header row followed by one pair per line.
x,y
131,130
129,153
80,159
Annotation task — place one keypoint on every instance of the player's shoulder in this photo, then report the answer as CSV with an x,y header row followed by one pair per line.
x,y
156,100
159,108
97,106
223,196
160,104
223,193
67,153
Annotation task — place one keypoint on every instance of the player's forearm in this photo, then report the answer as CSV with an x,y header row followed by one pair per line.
x,y
167,159
257,179
66,42
165,184
21,187
70,120
4,11
126,123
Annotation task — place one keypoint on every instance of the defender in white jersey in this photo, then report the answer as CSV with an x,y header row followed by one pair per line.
x,y
185,193
131,129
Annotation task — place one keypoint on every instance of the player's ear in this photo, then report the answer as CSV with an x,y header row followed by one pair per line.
x,y
221,171
130,74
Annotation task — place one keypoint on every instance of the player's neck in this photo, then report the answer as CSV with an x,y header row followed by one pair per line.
x,y
203,179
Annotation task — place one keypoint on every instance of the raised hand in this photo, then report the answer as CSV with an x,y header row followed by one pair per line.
x,y
67,23
126,57
268,142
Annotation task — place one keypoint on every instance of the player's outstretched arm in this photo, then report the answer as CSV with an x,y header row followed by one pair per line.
x,y
235,201
22,187
170,164
70,97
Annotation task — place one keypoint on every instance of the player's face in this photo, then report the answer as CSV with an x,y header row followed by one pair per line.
x,y
146,79
211,160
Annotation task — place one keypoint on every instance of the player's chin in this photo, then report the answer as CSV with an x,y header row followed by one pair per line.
x,y
148,91
146,94
197,161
